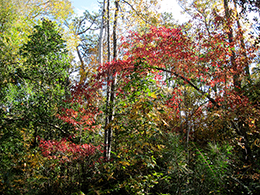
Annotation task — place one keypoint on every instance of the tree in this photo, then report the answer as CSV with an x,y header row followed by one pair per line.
x,y
45,73
34,96
112,76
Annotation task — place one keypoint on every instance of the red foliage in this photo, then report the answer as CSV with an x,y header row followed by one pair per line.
x,y
201,59
83,107
66,151
163,48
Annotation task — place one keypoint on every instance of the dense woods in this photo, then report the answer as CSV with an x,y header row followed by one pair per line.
x,y
127,100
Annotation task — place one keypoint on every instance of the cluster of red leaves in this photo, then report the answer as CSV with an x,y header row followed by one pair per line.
x,y
82,110
170,48
232,100
83,106
81,118
237,105
66,151
175,100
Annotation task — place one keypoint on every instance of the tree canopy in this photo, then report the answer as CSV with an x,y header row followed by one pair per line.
x,y
128,101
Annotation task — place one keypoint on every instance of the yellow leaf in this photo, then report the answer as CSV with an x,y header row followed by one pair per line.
x,y
153,95
124,163
161,147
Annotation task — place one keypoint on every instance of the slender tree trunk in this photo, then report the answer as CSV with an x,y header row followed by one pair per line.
x,y
115,30
100,48
107,121
111,94
82,68
114,78
111,88
237,83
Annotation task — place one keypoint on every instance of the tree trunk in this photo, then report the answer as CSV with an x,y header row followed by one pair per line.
x,y
100,48
111,92
239,128
237,83
107,121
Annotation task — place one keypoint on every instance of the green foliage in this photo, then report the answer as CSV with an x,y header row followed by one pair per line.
x,y
181,131
43,75
36,90
194,170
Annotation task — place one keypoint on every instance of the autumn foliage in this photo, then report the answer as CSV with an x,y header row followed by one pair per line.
x,y
140,96
182,108
65,151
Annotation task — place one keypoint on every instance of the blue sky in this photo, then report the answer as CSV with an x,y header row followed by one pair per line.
x,y
81,5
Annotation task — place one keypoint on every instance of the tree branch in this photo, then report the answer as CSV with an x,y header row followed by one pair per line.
x,y
137,13
190,83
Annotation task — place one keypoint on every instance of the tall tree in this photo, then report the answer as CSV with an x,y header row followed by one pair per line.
x,y
40,82
111,80
33,96
100,44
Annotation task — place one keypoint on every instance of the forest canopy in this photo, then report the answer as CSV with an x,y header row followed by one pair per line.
x,y
127,100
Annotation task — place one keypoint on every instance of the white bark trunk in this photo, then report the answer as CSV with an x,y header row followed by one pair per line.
x,y
100,48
